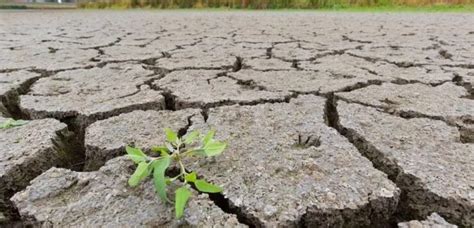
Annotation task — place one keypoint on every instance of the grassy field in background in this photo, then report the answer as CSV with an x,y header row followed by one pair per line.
x,y
283,4
400,8
8,5
287,5
336,8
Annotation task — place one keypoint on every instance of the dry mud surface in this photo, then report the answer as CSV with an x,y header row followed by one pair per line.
x,y
332,119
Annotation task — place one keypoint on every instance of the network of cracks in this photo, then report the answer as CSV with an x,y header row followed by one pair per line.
x,y
332,120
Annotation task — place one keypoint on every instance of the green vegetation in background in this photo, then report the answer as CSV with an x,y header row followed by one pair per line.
x,y
222,5
357,5
48,5
401,8
10,6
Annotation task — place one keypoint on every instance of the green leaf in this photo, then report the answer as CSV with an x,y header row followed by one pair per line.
x,y
9,123
203,186
159,169
197,152
171,136
135,154
209,137
19,123
139,174
214,148
163,150
190,177
182,195
191,137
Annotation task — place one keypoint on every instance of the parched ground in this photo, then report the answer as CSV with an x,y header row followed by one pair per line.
x,y
332,119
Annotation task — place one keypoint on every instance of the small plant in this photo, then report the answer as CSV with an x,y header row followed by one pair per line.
x,y
10,123
176,150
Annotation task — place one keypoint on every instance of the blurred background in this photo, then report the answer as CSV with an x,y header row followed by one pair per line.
x,y
439,5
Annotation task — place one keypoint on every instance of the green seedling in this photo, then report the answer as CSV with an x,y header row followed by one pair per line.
x,y
176,150
10,123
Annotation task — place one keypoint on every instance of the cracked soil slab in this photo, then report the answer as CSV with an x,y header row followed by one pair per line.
x,y
61,197
349,65
278,177
107,138
27,151
10,82
11,85
92,94
432,221
198,88
271,64
303,81
424,157
447,102
35,56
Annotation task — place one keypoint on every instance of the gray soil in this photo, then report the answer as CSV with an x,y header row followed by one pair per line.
x,y
331,119
432,221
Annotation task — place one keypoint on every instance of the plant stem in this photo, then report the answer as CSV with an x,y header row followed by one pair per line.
x,y
176,177
183,170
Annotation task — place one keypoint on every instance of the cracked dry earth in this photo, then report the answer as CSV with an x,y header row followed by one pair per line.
x,y
332,119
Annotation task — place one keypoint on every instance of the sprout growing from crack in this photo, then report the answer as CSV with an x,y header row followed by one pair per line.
x,y
176,149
